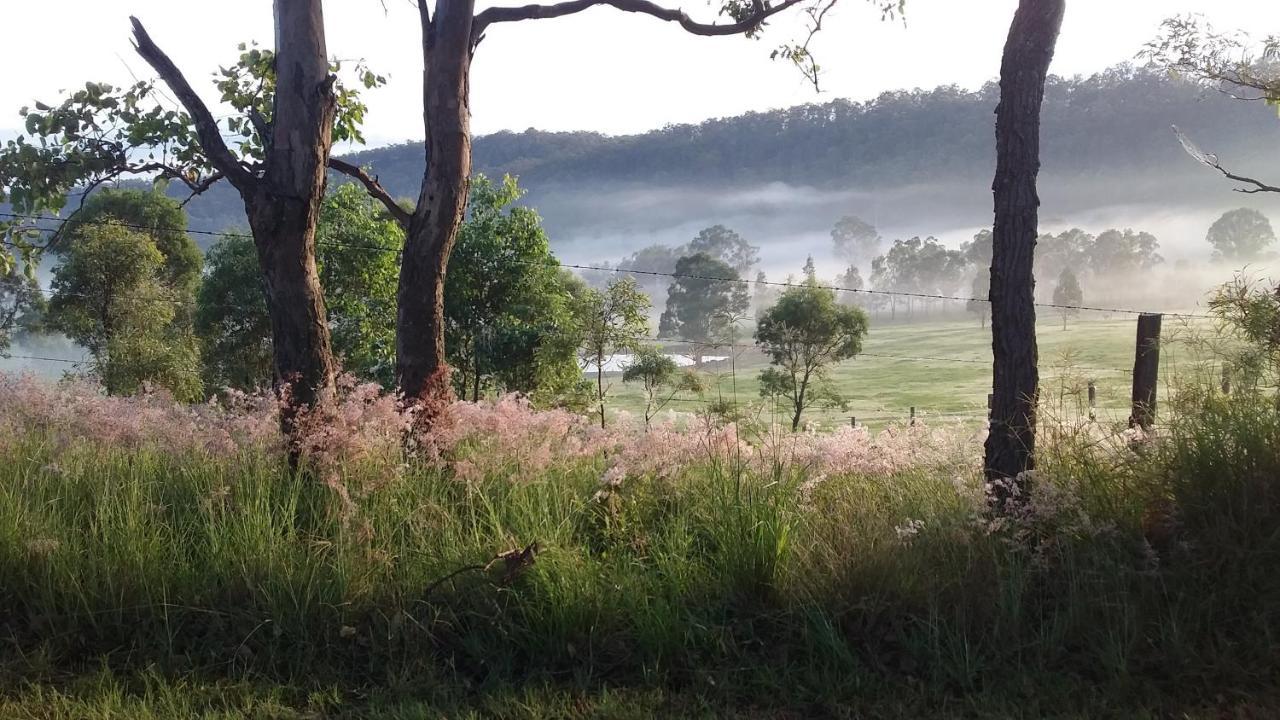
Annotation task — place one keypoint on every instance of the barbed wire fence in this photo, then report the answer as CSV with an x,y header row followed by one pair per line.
x,y
53,225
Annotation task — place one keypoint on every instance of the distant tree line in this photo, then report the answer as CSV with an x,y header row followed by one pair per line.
x,y
132,288
1103,120
1115,119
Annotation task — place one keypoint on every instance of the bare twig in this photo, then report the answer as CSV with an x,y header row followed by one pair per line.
x,y
1211,160
513,562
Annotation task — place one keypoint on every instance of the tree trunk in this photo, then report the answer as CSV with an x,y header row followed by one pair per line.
x,y
475,360
1010,446
600,385
433,230
284,233
284,207
283,202
799,403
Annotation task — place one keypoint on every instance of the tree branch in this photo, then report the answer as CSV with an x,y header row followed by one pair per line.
x,y
206,127
374,189
1211,160
570,7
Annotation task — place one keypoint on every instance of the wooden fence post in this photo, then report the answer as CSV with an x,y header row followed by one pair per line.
x,y
1093,400
853,421
1146,368
913,414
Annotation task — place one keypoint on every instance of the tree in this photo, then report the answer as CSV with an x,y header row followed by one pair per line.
x,y
727,246
854,240
649,264
288,110
356,254
612,321
356,263
1070,249
506,299
109,298
803,334
1067,295
1115,252
161,218
449,40
546,364
977,252
1240,235
918,266
764,294
1191,48
662,380
978,302
1010,445
703,303
231,317
851,279
1250,310
22,307
810,271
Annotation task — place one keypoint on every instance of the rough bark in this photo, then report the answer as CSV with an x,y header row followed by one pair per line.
x,y
1010,446
433,229
284,208
282,202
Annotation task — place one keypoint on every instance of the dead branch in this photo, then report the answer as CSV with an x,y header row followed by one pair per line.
x,y
541,12
206,127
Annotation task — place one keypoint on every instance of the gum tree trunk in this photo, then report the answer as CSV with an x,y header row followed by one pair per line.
x,y
1010,446
284,206
433,229
282,201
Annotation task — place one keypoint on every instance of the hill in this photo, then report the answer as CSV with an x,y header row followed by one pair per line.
x,y
1118,120
1106,139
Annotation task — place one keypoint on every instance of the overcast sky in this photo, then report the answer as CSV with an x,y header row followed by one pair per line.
x,y
600,70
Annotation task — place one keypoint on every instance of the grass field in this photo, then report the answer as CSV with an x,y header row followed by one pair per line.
x,y
161,560
143,575
948,375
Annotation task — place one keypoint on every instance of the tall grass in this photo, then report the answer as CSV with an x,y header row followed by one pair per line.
x,y
815,574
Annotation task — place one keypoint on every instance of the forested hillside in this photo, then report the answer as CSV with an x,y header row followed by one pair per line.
x,y
1113,123
1118,120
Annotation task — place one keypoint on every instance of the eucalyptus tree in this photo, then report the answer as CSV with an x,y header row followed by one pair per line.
x,y
610,321
803,334
452,31
1028,50
704,302
855,240
662,380
1068,295
22,307
287,108
1240,235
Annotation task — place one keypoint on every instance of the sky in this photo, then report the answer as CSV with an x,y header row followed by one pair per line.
x,y
600,70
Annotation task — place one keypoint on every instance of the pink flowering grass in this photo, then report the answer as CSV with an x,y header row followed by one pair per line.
x,y
505,437
519,543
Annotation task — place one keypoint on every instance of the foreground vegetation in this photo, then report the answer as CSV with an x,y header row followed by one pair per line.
x,y
157,559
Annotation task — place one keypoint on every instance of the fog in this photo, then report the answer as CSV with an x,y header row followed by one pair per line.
x,y
605,223
790,222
